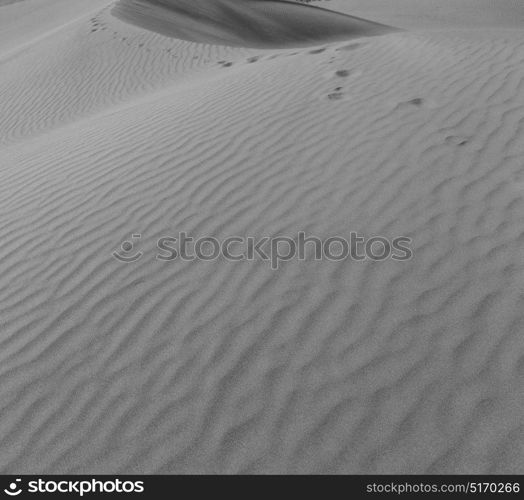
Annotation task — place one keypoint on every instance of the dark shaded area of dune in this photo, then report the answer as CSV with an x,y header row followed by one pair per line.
x,y
8,2
245,23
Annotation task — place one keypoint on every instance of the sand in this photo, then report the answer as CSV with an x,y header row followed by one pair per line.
x,y
119,119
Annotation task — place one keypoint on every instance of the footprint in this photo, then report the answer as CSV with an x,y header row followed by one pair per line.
x,y
227,64
335,96
457,140
418,101
253,59
351,46
317,51
343,73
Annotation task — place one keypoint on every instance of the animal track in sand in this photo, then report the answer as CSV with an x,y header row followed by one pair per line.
x,y
417,102
351,46
342,73
335,96
457,140
100,25
97,25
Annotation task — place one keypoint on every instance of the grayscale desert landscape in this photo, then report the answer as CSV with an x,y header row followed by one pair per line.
x,y
125,122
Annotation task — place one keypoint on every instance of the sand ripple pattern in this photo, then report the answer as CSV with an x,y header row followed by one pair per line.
x,y
392,367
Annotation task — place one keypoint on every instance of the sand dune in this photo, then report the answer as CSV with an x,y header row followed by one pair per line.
x,y
243,23
108,129
25,22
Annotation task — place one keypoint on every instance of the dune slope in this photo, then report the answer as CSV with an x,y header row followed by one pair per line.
x,y
24,22
252,23
424,15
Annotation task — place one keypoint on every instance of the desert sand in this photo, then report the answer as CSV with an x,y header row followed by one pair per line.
x,y
252,117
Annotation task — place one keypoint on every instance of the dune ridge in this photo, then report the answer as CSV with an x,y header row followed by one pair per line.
x,y
251,23
428,15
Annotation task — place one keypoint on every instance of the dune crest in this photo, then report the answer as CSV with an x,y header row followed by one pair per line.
x,y
246,23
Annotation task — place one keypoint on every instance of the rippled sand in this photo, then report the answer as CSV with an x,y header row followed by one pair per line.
x,y
112,124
